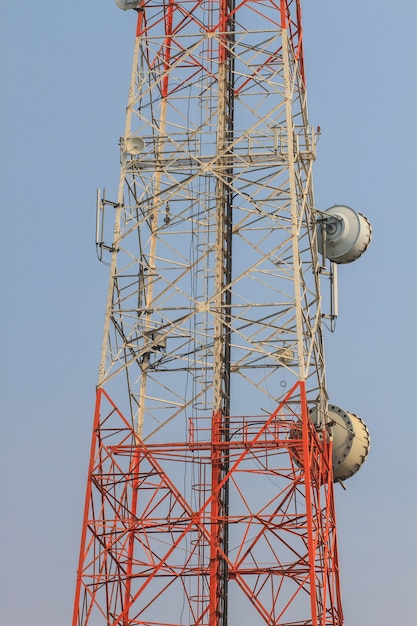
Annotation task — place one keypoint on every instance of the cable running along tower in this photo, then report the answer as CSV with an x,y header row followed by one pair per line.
x,y
214,451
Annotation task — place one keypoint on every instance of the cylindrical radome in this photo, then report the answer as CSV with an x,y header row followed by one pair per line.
x,y
347,234
125,5
351,441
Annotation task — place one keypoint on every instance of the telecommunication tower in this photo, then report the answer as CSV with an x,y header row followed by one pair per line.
x,y
214,451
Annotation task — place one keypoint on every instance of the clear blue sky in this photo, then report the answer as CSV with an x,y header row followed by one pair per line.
x,y
64,75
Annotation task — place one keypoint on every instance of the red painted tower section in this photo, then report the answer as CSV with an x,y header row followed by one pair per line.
x,y
149,556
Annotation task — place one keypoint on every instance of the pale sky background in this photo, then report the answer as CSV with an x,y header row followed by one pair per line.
x,y
64,79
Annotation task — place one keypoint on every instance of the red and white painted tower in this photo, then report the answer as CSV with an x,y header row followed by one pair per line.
x,y
210,489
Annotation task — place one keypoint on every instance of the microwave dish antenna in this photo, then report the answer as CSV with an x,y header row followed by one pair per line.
x,y
135,145
125,5
351,441
343,234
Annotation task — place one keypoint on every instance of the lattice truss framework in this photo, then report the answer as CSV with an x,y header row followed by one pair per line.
x,y
167,304
194,517
150,545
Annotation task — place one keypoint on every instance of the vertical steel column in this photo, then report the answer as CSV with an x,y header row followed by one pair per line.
x,y
223,303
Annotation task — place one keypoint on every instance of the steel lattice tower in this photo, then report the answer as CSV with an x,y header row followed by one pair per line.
x,y
210,491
